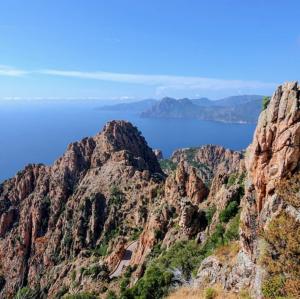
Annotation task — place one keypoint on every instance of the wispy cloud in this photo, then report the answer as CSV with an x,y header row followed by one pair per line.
x,y
11,71
163,82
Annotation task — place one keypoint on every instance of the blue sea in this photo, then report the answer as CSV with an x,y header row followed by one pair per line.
x,y
39,132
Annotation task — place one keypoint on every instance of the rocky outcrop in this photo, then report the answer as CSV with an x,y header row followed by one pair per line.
x,y
66,227
272,158
185,182
50,215
209,159
273,155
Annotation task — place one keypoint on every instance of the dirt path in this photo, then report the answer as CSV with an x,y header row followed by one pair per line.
x,y
124,262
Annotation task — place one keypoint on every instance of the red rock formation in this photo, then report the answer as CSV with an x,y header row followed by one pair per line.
x,y
50,215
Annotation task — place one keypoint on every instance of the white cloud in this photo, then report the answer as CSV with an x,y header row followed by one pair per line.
x,y
11,71
163,82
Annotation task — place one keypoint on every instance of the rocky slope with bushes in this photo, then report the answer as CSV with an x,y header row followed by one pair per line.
x,y
207,223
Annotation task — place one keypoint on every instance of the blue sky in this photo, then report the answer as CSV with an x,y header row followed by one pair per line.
x,y
139,49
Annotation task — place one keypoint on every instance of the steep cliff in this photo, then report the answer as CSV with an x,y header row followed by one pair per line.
x,y
272,193
267,263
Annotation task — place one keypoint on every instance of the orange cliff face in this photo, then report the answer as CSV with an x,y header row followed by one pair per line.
x,y
273,156
275,150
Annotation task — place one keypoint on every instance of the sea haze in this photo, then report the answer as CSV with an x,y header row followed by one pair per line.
x,y
33,132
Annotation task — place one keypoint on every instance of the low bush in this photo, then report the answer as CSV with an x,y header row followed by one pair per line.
x,y
232,231
265,102
101,249
116,196
229,212
210,293
27,293
209,213
281,257
273,287
167,165
111,295
289,190
97,271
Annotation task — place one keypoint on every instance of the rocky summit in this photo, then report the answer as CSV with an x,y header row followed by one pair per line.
x,y
108,220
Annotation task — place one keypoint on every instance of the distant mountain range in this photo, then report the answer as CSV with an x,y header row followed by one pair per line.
x,y
138,106
234,109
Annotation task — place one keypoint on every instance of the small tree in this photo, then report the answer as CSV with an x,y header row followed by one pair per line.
x,y
265,102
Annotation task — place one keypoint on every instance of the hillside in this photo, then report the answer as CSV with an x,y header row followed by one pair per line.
x,y
233,110
223,221
138,106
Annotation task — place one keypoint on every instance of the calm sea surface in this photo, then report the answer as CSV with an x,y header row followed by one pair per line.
x,y
40,132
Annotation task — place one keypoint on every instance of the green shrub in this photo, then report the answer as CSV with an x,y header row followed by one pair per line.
x,y
210,293
232,179
232,231
136,233
116,196
101,249
167,165
229,212
73,275
273,287
215,240
186,256
26,293
67,240
96,270
111,295
209,213
265,102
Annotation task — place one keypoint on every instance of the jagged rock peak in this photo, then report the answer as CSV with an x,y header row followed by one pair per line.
x,y
119,135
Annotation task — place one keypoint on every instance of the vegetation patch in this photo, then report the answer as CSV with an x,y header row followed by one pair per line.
x,y
167,165
183,256
209,213
289,190
281,257
97,271
27,293
210,293
265,102
229,212
236,178
116,196
83,295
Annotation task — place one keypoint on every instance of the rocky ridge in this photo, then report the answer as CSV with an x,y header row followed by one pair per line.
x,y
65,227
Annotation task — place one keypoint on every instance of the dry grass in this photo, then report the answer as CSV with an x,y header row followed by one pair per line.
x,y
196,293
289,190
227,253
